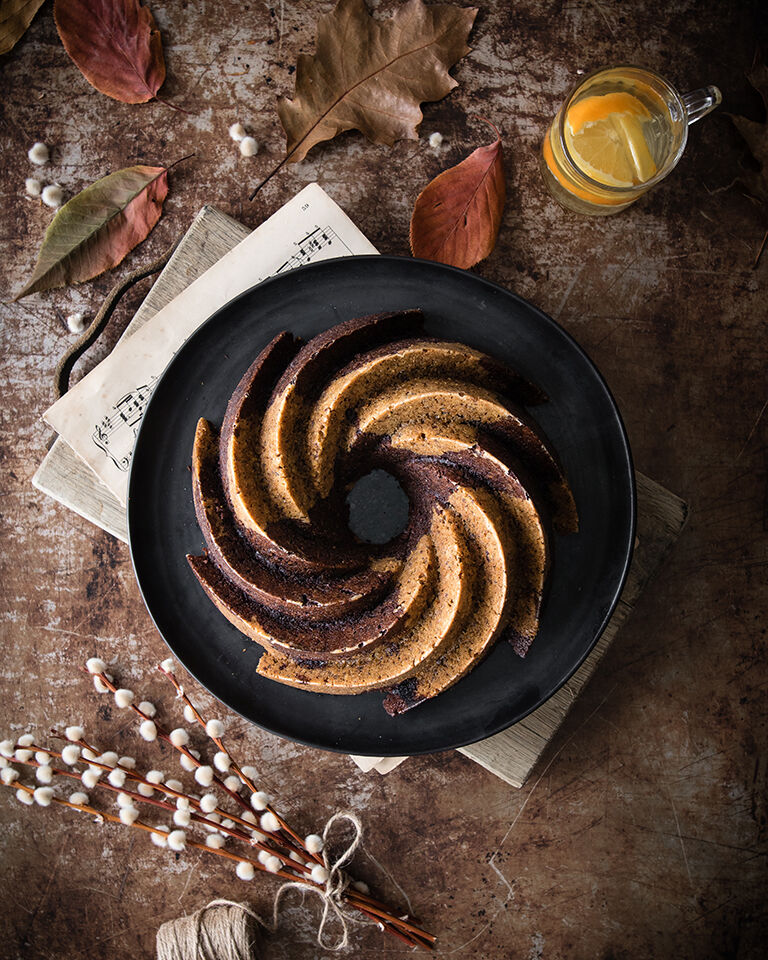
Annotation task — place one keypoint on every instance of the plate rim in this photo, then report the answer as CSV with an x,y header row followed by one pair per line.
x,y
627,463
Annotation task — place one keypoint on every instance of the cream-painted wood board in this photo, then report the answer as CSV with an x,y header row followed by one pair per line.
x,y
510,755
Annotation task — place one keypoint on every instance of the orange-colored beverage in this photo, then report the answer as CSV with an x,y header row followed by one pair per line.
x,y
618,133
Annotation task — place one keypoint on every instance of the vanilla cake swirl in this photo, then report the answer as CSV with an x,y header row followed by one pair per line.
x,y
336,615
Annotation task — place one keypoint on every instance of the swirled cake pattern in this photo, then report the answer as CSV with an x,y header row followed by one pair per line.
x,y
410,617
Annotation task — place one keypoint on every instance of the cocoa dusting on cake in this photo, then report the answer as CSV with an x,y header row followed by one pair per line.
x,y
410,618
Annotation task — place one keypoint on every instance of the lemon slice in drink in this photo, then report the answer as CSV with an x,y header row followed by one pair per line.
x,y
604,135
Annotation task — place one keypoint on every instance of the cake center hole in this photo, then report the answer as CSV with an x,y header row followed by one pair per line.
x,y
378,507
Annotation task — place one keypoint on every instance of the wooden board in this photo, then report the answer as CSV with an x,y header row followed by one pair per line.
x,y
510,755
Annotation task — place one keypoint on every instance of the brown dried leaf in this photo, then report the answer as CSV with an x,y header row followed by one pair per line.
x,y
95,230
115,44
372,75
457,216
15,17
756,135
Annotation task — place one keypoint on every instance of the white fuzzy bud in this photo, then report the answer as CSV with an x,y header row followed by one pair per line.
x,y
250,817
123,698
52,195
176,785
186,762
129,815
145,790
146,706
41,756
269,822
7,748
43,796
245,870
232,783
208,803
159,839
228,823
38,154
182,803
23,755
9,775
95,665
32,187
89,754
250,772
26,740
221,761
167,665
70,754
361,885
128,762
263,856
74,733
155,776
319,874
182,818
148,730
237,132
436,140
89,779
177,840
214,729
80,798
248,147
124,800
204,776
273,864
26,798
215,841
44,774
116,777
4,762
295,857
179,737
189,714
109,758
313,843
260,800
98,684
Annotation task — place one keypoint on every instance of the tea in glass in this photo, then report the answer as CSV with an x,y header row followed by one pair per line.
x,y
619,132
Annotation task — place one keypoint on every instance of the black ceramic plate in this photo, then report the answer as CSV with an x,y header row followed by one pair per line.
x,y
581,420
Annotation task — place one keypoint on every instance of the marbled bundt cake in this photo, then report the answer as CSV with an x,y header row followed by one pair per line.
x,y
411,617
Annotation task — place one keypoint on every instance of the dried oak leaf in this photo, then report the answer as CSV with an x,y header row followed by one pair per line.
x,y
15,17
457,216
372,75
756,135
95,230
115,44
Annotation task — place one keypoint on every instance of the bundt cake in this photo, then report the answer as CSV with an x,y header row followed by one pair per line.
x,y
410,617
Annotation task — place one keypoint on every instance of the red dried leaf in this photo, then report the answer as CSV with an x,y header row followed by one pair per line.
x,y
115,44
457,216
97,228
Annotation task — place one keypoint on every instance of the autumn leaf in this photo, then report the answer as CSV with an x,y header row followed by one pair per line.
x,y
372,75
756,135
15,17
115,44
96,229
457,216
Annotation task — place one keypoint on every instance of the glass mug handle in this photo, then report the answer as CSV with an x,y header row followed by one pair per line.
x,y
698,103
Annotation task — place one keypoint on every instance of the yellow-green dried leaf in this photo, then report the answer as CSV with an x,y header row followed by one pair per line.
x,y
15,17
95,230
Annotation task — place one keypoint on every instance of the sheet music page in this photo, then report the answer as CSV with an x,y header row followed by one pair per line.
x,y
100,416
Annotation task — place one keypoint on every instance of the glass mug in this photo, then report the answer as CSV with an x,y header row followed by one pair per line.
x,y
620,131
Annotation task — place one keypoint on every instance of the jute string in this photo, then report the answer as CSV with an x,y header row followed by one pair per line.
x,y
223,929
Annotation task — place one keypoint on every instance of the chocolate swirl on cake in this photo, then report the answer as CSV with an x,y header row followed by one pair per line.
x,y
411,617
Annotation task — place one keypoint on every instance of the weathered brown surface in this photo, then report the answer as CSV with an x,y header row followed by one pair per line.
x,y
643,832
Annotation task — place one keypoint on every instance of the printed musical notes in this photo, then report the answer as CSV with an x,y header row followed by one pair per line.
x,y
315,245
115,432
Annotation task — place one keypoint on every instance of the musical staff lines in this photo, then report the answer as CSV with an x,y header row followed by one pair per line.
x,y
310,246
